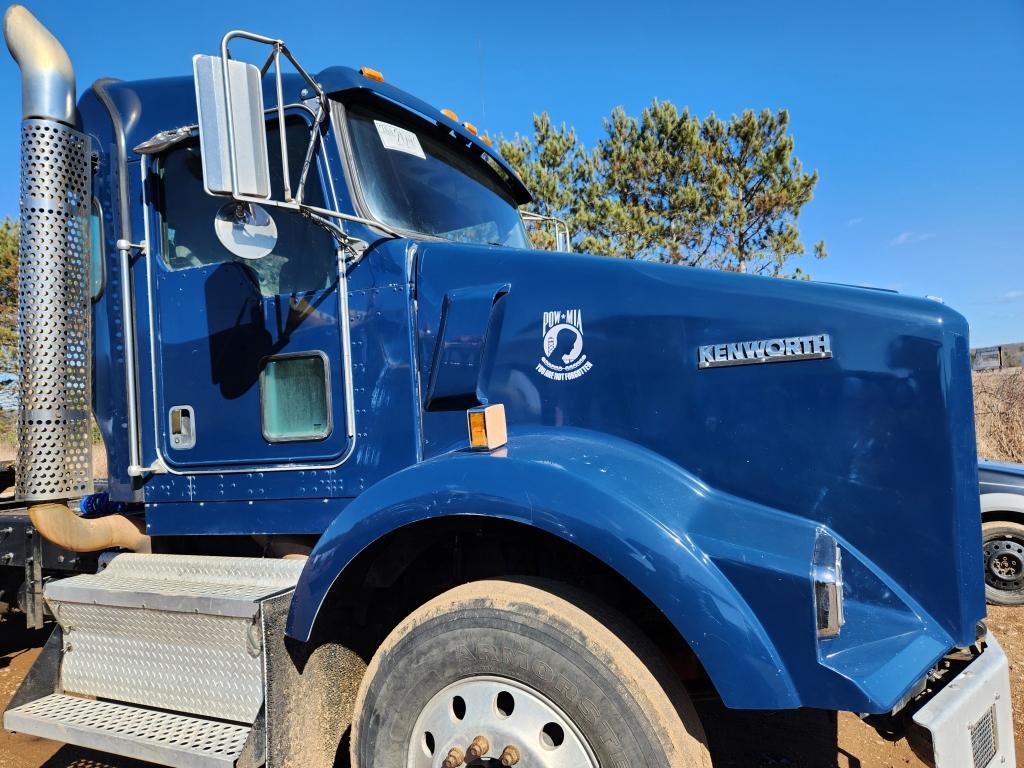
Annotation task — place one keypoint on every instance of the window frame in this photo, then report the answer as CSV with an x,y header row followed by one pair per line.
x,y
313,353
322,177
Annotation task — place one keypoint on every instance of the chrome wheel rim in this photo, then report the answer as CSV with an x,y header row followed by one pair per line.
x,y
512,719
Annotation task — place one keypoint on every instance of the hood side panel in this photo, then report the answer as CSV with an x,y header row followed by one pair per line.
x,y
877,443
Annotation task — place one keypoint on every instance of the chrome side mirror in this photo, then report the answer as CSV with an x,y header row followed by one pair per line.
x,y
232,132
246,230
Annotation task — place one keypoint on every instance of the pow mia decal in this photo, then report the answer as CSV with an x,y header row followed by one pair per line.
x,y
562,336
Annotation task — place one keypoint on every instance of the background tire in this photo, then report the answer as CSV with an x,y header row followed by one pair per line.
x,y
1004,556
585,661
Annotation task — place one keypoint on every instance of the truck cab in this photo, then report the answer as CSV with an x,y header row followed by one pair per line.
x,y
389,485
244,376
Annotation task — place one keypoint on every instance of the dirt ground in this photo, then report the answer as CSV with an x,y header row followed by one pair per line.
x,y
816,739
799,739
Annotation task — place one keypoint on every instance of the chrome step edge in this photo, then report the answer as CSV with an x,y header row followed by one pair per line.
x,y
225,586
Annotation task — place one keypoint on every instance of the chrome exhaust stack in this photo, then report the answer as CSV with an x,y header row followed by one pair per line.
x,y
54,441
47,77
54,308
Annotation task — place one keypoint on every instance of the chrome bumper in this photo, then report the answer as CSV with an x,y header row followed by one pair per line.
x,y
970,720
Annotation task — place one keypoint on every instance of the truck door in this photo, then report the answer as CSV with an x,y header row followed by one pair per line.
x,y
246,352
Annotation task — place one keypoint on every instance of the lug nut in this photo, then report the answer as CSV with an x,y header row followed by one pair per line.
x,y
454,759
509,757
477,749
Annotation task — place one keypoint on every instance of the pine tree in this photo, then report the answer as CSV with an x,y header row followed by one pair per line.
x,y
669,187
760,187
554,167
9,233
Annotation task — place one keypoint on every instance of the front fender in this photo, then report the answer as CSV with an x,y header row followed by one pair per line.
x,y
629,507
732,576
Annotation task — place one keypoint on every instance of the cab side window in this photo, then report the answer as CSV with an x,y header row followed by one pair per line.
x,y
302,260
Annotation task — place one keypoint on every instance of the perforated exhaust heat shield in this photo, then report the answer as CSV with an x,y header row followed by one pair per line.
x,y
54,436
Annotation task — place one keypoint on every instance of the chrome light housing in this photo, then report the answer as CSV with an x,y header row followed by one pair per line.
x,y
827,576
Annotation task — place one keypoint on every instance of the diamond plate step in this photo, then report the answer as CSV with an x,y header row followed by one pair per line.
x,y
173,632
144,734
225,586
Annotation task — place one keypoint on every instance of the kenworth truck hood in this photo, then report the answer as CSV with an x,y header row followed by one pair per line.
x,y
876,442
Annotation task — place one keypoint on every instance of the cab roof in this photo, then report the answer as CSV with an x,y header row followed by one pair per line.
x,y
147,107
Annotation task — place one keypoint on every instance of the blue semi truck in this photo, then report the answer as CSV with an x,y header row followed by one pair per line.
x,y
388,486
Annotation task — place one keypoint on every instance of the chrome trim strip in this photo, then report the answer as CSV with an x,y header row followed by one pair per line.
x,y
1018,488
130,362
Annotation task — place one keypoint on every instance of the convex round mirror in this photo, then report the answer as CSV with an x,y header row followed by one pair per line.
x,y
246,230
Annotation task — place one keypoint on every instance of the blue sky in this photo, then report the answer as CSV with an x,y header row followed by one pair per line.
x,y
912,111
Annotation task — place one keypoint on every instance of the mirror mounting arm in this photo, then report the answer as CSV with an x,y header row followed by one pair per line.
x,y
278,48
346,243
219,130
314,140
286,176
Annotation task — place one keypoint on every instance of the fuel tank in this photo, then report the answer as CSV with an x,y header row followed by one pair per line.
x,y
849,407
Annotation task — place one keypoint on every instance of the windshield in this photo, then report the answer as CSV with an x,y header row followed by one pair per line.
x,y
418,178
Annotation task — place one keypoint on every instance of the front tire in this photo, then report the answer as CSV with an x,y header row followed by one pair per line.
x,y
1003,544
528,669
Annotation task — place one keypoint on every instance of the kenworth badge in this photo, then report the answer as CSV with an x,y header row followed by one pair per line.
x,y
817,347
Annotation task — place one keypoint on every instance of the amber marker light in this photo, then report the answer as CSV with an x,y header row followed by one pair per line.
x,y
487,429
487,140
371,73
450,115
470,127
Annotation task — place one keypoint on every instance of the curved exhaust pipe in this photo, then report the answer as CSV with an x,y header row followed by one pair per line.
x,y
54,308
59,524
47,77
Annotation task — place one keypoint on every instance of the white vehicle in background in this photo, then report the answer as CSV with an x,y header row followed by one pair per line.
x,y
1002,515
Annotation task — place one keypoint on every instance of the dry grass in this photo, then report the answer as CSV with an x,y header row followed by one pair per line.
x,y
999,414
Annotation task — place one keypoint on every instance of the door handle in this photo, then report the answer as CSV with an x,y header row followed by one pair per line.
x,y
182,420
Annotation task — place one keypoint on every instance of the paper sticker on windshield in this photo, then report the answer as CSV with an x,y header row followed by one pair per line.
x,y
399,139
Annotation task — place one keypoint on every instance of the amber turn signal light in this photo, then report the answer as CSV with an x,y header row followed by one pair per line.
x,y
487,427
